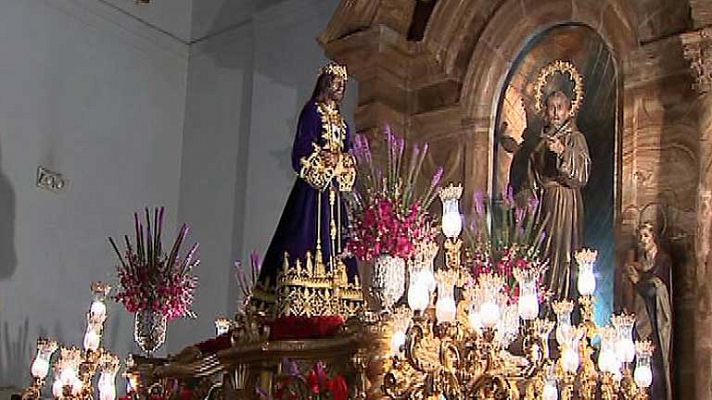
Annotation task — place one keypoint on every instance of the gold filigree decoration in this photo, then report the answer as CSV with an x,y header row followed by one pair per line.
x,y
315,169
345,172
449,360
318,169
308,289
564,68
333,127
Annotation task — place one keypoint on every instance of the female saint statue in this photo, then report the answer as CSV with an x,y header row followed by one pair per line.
x,y
650,275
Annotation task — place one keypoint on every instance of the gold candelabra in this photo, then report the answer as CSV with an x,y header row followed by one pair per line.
x,y
75,369
490,346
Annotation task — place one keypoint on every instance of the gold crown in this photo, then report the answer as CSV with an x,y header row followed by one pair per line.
x,y
335,69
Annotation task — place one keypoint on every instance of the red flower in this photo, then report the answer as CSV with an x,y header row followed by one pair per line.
x,y
186,394
403,247
338,387
313,382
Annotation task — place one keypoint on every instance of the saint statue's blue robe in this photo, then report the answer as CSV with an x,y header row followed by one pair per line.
x,y
296,232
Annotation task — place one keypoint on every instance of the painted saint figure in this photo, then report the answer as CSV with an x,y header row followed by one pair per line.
x,y
651,277
559,168
314,220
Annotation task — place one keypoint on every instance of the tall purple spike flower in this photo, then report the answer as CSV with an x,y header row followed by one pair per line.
x,y
436,178
358,149
473,225
478,199
518,216
533,204
508,197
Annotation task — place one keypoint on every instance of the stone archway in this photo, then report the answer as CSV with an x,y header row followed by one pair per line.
x,y
444,87
504,38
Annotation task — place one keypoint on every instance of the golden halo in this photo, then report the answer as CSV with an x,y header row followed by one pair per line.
x,y
562,67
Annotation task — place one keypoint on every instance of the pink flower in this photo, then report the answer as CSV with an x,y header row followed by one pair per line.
x,y
403,247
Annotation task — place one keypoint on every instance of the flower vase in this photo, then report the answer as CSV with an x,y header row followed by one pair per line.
x,y
387,281
149,330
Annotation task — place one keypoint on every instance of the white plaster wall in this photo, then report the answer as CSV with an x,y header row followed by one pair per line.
x,y
210,17
213,170
131,119
90,93
287,60
170,16
246,89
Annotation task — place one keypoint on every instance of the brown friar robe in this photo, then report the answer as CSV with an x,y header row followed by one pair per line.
x,y
557,180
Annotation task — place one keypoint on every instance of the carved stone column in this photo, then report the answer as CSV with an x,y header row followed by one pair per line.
x,y
701,11
697,47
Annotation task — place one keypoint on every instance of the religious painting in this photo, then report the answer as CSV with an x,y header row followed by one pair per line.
x,y
556,142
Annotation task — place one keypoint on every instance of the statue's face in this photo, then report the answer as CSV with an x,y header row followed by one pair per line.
x,y
336,89
646,238
557,110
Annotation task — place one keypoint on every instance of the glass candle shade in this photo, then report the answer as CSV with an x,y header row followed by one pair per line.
x,y
586,282
625,347
563,310
451,219
643,374
528,302
40,365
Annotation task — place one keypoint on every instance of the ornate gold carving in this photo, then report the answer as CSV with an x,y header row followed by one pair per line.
x,y
452,256
345,172
330,161
562,307
308,289
564,68
586,303
588,376
609,387
333,127
697,49
449,360
315,170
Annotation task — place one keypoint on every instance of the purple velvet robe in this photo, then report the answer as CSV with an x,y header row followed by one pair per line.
x,y
296,231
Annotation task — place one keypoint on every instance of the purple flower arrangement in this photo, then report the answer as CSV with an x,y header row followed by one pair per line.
x,y
503,236
389,207
151,279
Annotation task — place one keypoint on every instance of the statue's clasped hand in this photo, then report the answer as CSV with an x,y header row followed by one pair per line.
x,y
331,159
632,273
554,145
